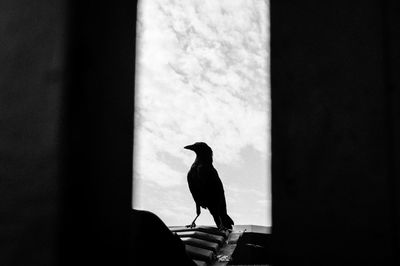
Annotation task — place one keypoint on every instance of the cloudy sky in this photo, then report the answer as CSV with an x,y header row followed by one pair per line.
x,y
202,74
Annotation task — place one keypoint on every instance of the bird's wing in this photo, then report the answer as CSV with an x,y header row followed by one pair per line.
x,y
194,186
212,182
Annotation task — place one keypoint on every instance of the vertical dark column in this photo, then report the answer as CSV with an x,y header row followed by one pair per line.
x,y
331,160
391,44
31,85
98,132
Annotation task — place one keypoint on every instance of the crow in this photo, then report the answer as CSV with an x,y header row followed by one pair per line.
x,y
206,186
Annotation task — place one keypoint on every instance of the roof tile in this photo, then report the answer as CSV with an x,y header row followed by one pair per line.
x,y
202,235
207,246
200,263
200,253
196,242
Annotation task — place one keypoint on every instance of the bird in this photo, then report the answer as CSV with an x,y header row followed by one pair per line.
x,y
206,187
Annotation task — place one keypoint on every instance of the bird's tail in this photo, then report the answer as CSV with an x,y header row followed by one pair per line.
x,y
227,221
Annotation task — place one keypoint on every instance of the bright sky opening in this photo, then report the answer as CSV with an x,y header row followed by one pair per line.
x,y
202,74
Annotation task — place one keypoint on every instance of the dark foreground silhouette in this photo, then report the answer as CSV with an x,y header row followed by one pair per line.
x,y
206,187
152,243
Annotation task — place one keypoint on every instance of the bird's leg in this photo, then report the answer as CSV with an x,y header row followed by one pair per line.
x,y
221,226
192,225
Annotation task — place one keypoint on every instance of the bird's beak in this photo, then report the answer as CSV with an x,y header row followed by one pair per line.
x,y
189,147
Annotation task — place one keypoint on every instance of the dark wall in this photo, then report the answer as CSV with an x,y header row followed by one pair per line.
x,y
67,72
31,87
333,176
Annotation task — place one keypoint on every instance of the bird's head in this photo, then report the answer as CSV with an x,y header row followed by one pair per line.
x,y
201,149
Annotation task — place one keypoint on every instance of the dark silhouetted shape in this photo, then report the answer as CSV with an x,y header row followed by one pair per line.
x,y
152,243
253,249
206,187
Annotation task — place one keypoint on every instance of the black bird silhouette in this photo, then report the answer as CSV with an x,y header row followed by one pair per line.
x,y
206,187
